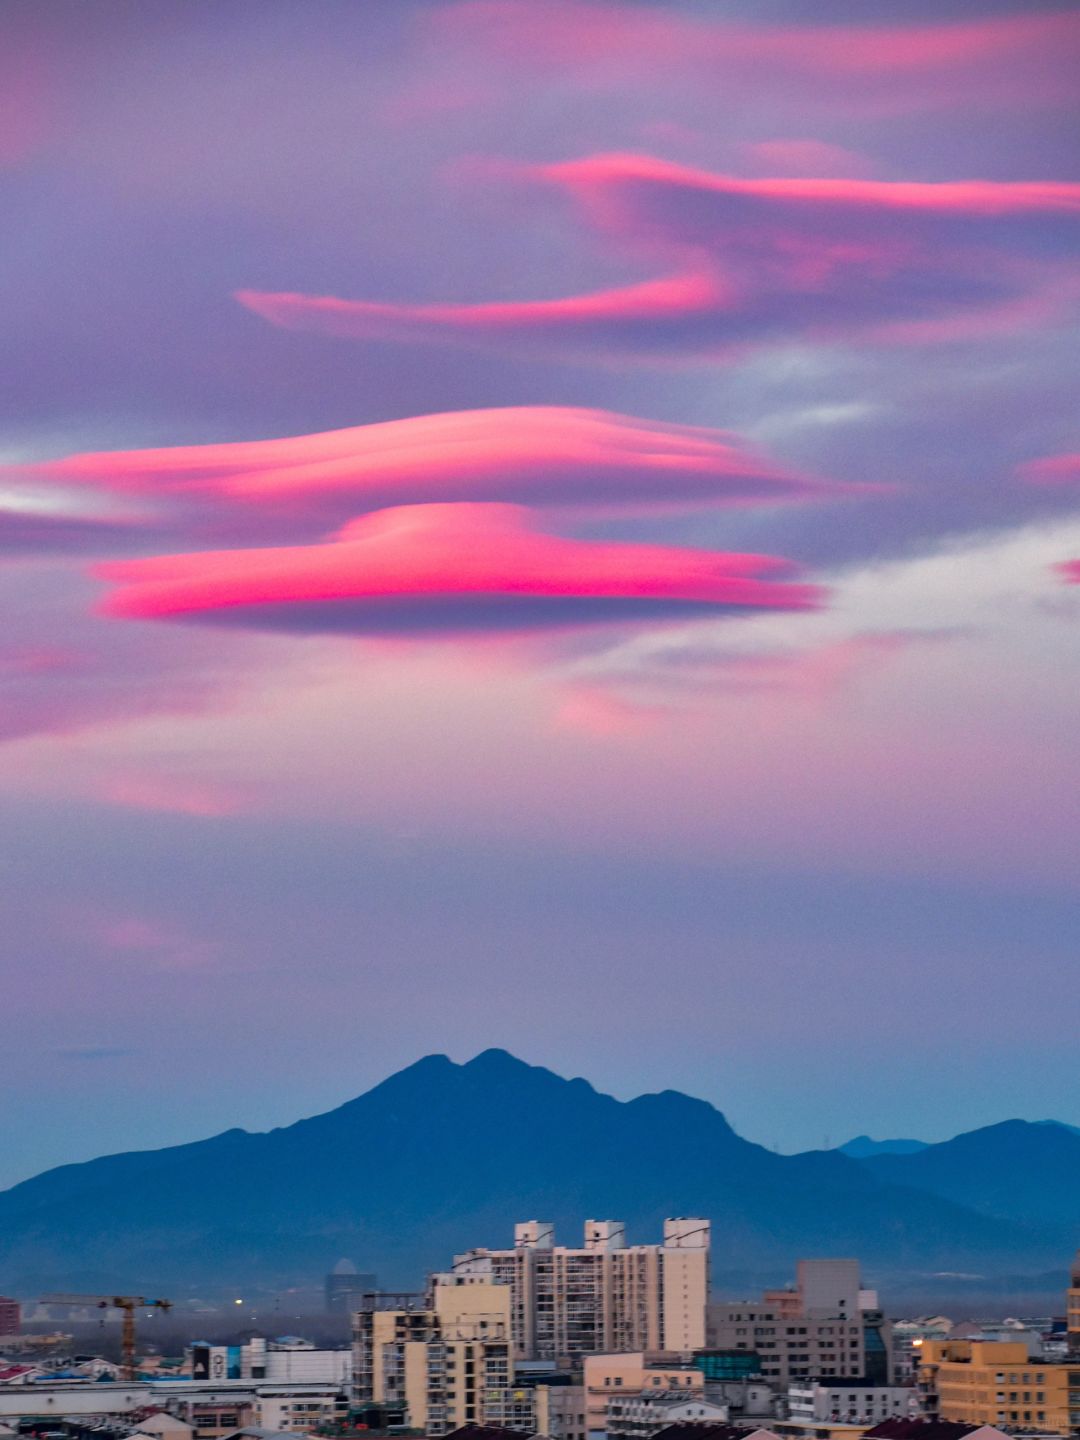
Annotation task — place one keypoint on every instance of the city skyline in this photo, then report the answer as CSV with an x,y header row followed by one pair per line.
x,y
549,524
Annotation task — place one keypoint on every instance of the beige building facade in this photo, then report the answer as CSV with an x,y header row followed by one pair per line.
x,y
611,1378
605,1296
445,1358
993,1382
824,1326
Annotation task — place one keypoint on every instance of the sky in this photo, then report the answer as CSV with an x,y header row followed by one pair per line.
x,y
551,524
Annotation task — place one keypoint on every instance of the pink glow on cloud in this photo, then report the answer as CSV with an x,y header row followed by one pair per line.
x,y
1069,570
428,569
885,68
1052,470
766,258
592,710
176,795
157,943
605,180
666,302
545,455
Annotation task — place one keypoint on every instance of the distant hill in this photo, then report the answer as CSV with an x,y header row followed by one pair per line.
x,y
1012,1171
862,1146
443,1156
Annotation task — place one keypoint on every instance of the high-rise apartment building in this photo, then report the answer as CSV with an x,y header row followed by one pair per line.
x,y
604,1297
828,1325
445,1357
1073,1304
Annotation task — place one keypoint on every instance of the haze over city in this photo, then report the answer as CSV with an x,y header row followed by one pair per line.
x,y
543,525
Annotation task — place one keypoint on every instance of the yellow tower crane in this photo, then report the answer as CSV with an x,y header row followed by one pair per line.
x,y
127,1305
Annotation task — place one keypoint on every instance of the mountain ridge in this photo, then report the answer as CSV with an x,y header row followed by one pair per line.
x,y
440,1156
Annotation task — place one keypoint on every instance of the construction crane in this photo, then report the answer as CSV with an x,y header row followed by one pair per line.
x,y
127,1305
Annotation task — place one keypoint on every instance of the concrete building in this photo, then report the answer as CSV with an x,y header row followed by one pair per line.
x,y
286,1359
604,1297
640,1417
626,1376
827,1325
988,1382
850,1402
208,1410
298,1408
445,1357
560,1411
1073,1308
10,1316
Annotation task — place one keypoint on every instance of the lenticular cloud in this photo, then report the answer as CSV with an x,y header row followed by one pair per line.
x,y
539,455
757,260
446,569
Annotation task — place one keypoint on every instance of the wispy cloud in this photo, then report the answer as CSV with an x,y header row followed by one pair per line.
x,y
751,261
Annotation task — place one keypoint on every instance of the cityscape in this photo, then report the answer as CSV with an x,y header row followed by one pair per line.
x,y
572,1330
573,1342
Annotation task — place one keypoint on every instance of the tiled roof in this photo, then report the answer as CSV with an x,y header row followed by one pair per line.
x,y
485,1432
687,1430
900,1429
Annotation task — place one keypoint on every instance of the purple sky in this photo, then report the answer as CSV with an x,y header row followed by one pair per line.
x,y
545,524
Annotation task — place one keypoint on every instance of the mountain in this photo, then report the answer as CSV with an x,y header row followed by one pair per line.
x,y
862,1146
442,1156
1013,1171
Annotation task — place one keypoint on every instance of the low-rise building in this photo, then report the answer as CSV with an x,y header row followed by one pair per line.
x,y
828,1324
988,1382
849,1401
299,1408
640,1417
621,1377
287,1359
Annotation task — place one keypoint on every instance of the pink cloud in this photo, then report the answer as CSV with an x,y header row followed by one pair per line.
x,y
1024,59
542,455
159,944
175,795
766,259
448,569
591,710
69,672
1069,570
665,306
1052,470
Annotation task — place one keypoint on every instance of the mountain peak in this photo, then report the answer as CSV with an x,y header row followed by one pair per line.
x,y
496,1059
